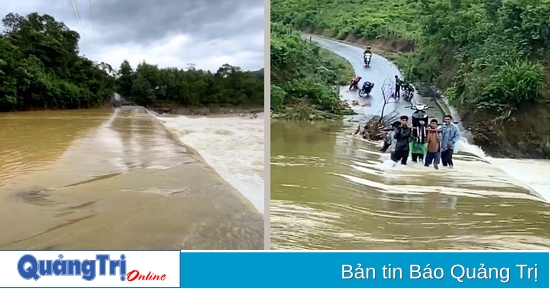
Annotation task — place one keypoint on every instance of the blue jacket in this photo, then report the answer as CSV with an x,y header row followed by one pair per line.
x,y
449,133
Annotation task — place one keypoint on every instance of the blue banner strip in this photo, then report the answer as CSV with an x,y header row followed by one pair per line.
x,y
321,269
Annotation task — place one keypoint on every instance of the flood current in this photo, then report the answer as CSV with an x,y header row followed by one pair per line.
x,y
330,190
121,179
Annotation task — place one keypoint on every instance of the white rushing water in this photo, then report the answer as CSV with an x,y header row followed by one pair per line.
x,y
232,145
533,173
527,172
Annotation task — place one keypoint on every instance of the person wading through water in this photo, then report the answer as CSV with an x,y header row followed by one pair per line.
x,y
434,145
401,137
450,134
418,150
388,139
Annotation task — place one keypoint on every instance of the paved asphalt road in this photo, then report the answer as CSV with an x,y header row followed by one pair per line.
x,y
381,70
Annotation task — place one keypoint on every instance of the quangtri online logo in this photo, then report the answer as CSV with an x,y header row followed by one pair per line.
x,y
29,267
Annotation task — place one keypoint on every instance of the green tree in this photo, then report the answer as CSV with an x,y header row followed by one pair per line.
x,y
40,67
125,78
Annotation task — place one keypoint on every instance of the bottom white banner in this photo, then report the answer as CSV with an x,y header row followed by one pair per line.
x,y
90,268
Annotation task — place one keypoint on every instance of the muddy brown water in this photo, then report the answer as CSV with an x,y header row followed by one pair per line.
x,y
113,179
331,191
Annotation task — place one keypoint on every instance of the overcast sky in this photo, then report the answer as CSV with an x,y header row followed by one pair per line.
x,y
171,33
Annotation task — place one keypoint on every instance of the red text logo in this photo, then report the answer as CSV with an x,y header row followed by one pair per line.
x,y
134,275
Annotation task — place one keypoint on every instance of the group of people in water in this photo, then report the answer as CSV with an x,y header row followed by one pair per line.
x,y
441,138
441,144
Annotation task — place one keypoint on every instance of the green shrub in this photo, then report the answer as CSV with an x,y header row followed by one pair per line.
x,y
277,97
517,84
300,72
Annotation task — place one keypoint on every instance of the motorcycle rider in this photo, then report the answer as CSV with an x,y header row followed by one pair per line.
x,y
398,84
367,51
354,81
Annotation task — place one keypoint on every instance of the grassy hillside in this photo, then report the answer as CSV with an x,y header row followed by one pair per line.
x,y
490,57
368,19
304,78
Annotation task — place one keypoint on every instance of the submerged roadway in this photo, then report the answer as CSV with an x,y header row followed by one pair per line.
x,y
381,71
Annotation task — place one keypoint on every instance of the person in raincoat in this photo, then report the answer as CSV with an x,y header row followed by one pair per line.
x,y
418,150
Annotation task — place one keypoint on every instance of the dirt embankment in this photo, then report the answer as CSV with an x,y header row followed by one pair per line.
x,y
386,47
522,135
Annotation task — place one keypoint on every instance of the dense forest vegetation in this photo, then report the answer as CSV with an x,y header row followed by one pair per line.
x,y
40,68
304,78
489,57
228,87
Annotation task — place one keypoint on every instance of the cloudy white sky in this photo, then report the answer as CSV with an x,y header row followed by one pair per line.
x,y
171,33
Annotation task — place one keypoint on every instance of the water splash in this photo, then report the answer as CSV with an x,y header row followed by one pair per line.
x,y
528,173
233,146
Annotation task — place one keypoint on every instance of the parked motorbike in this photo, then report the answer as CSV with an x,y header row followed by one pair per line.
x,y
420,122
408,92
366,89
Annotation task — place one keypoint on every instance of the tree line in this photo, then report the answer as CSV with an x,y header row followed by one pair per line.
x,y
40,68
229,86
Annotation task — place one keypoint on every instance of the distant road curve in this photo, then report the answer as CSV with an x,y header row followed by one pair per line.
x,y
380,69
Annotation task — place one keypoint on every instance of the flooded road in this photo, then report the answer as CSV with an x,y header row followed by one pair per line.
x,y
104,179
232,145
332,191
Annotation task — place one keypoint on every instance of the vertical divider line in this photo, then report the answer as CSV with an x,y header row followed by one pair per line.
x,y
267,123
